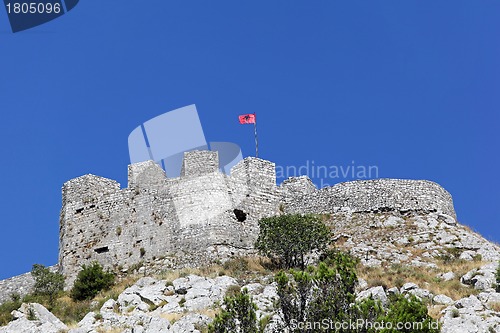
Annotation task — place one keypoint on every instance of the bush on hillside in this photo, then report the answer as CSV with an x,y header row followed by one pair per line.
x,y
90,281
287,239
47,283
238,315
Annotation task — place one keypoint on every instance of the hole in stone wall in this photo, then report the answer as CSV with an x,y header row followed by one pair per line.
x,y
240,215
79,210
102,249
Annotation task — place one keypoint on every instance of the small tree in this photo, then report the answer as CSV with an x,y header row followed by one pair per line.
x,y
90,281
238,315
47,283
287,239
325,292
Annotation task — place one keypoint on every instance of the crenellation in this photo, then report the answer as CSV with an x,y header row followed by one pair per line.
x,y
204,209
199,163
205,214
88,188
256,173
145,174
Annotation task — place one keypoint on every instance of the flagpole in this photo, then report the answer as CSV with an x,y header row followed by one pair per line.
x,y
256,141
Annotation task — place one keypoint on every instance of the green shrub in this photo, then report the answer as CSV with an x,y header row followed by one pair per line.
x,y
410,312
90,281
369,310
287,239
238,315
325,292
47,283
31,313
6,308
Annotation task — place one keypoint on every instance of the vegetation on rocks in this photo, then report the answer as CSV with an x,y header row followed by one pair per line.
x,y
47,283
338,288
237,315
287,239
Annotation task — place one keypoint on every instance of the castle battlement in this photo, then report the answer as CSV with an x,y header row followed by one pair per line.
x,y
205,214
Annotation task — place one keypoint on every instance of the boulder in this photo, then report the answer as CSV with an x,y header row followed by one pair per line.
x,y
33,318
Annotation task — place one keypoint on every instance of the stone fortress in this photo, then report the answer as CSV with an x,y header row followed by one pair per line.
x,y
204,215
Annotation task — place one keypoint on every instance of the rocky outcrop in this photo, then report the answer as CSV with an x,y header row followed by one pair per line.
x,y
188,304
152,305
388,238
33,318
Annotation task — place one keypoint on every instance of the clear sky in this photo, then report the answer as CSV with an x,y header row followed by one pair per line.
x,y
412,87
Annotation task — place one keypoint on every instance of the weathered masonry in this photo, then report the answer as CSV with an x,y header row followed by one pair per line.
x,y
205,214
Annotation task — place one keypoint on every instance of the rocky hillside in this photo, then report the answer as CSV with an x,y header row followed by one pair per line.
x,y
430,255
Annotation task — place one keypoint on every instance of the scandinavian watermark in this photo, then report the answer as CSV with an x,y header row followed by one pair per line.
x,y
327,175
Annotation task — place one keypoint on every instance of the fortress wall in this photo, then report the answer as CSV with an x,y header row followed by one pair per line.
x,y
254,187
116,229
190,217
201,198
199,162
375,195
83,231
158,215
294,190
145,174
18,285
197,246
84,189
81,223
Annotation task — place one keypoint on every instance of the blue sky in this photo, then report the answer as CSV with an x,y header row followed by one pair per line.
x,y
409,86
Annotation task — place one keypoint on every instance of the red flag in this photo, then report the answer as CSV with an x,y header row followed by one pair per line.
x,y
247,118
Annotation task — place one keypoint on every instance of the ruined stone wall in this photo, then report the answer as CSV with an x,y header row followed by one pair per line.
x,y
199,162
204,214
19,285
370,196
186,218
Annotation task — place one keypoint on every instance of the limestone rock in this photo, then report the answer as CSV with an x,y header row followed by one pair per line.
x,y
408,286
376,293
448,276
189,323
34,318
443,299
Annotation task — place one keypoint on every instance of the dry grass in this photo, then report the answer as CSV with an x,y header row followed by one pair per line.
x,y
69,311
460,267
435,311
397,275
241,268
172,317
116,289
494,306
209,312
111,330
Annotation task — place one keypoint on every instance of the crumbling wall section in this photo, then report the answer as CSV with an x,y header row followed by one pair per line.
x,y
19,285
374,195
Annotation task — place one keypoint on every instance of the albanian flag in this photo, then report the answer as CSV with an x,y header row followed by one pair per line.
x,y
247,118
